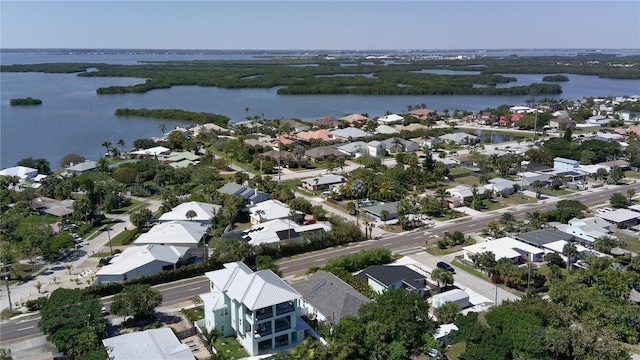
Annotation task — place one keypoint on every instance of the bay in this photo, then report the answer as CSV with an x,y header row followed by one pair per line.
x,y
74,119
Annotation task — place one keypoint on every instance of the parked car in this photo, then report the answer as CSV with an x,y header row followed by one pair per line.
x,y
444,266
309,221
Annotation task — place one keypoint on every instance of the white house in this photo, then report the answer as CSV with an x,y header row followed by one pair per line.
x,y
276,230
322,182
386,129
505,247
137,261
177,233
203,212
503,187
456,296
152,344
81,168
22,172
565,164
268,210
390,119
350,132
459,138
587,229
376,148
356,148
259,309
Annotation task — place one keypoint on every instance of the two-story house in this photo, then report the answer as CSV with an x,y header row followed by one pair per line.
x,y
258,308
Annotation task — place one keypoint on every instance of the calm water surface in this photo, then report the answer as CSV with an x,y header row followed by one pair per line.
x,y
74,119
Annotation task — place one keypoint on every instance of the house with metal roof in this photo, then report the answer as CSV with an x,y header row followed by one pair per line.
x,y
383,278
565,164
505,247
390,119
203,212
322,182
273,231
327,298
81,168
459,138
176,233
621,218
587,230
258,308
455,296
137,261
350,132
268,210
150,344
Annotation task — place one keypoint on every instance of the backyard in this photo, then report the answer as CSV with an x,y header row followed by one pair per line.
x,y
230,348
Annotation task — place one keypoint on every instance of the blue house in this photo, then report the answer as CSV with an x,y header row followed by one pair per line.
x,y
565,164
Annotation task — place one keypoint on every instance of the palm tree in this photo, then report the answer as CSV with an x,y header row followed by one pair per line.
x,y
384,214
260,214
107,145
121,145
162,128
442,277
190,215
570,251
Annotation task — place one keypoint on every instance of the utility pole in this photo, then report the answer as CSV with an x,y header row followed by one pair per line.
x,y
535,125
109,235
6,278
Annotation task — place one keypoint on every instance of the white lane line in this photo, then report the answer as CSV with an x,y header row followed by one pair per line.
x,y
284,268
354,251
321,259
194,289
27,328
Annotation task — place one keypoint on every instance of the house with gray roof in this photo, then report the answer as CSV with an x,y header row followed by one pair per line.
x,y
327,298
252,196
294,125
322,152
356,148
400,145
81,168
376,148
375,212
459,138
322,182
621,218
150,344
258,308
384,278
137,261
503,187
351,132
587,230
541,237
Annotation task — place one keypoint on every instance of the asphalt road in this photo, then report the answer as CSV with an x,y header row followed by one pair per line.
x,y
407,243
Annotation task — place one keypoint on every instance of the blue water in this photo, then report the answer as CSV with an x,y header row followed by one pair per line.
x,y
74,119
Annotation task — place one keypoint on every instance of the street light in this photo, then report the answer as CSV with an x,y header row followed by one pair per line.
x,y
6,278
110,245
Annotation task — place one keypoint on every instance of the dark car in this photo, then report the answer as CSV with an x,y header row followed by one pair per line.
x,y
444,266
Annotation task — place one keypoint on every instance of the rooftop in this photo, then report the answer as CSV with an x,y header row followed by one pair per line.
x,y
204,212
173,232
136,256
389,275
505,247
147,345
543,236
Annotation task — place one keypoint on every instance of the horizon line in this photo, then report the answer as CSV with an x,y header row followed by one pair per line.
x,y
319,49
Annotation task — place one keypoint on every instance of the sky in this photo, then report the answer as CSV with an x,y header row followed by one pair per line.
x,y
315,25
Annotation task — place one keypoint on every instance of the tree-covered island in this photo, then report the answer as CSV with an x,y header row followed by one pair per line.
x,y
175,114
555,78
25,101
315,75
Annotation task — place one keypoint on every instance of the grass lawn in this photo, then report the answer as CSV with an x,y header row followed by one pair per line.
x,y
515,200
450,215
435,250
194,314
123,238
132,204
230,348
630,243
632,174
489,205
471,270
460,171
559,192
468,180
456,350
241,226
100,254
544,270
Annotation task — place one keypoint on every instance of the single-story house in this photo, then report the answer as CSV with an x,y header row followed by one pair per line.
x,y
277,230
251,196
22,172
459,138
322,152
268,210
322,182
355,119
384,278
203,212
465,192
410,127
81,168
350,132
615,164
539,238
442,331
327,298
207,127
386,129
399,145
356,148
599,120
427,143
294,125
456,296
423,114
150,344
181,159
557,123
282,156
375,212
503,187
176,233
153,152
328,121
137,261
59,208
558,248
621,218
322,134
528,178
390,119
505,247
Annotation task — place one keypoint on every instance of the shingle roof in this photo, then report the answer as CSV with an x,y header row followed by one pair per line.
x,y
254,290
543,236
331,296
389,275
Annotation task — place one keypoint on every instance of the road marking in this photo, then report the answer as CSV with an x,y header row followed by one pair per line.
x,y
354,251
283,267
194,289
27,328
602,195
322,259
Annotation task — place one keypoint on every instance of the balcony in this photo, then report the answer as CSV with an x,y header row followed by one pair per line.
x,y
264,313
263,329
283,324
284,308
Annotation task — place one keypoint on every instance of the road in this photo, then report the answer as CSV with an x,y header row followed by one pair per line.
x,y
406,243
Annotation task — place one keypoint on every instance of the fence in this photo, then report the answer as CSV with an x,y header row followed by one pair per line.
x,y
183,334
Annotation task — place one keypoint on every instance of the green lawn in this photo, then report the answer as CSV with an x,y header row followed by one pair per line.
x,y
630,243
194,314
632,174
124,238
559,192
230,348
468,180
455,351
517,200
435,250
471,270
132,204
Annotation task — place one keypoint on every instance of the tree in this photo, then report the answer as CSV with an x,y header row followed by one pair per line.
x,y
442,277
493,227
264,262
163,128
448,312
138,301
618,200
41,164
72,321
140,218
605,243
190,214
568,134
384,214
107,146
630,194
615,176
570,250
69,159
